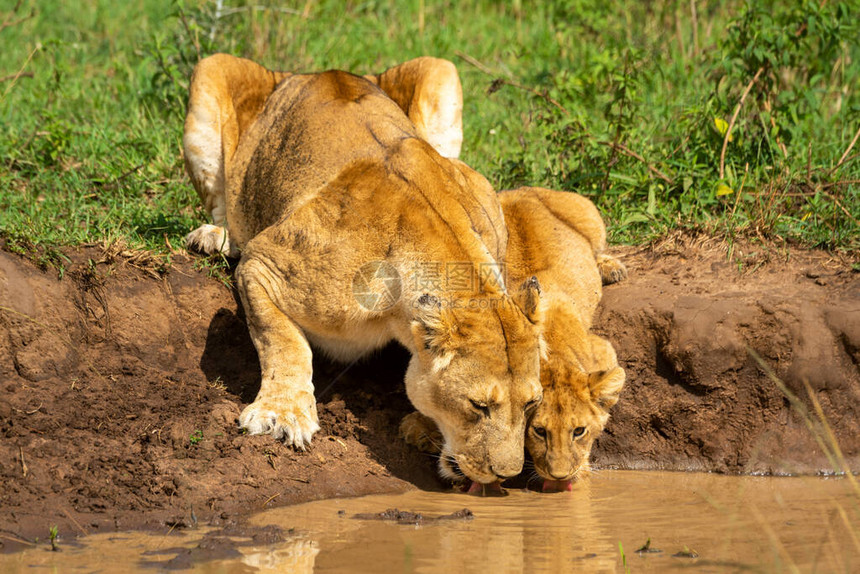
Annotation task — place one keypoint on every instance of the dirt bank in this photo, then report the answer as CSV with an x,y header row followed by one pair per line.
x,y
121,388
696,399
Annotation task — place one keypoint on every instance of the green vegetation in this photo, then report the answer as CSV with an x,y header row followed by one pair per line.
x,y
623,558
733,117
54,533
196,437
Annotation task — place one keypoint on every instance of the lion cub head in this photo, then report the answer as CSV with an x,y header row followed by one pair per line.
x,y
575,407
477,375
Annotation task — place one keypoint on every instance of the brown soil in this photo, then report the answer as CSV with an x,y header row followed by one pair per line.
x,y
686,324
122,387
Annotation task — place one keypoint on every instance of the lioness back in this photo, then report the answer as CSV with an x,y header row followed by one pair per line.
x,y
310,129
227,94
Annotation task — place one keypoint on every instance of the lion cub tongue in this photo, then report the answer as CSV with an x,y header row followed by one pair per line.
x,y
557,485
491,489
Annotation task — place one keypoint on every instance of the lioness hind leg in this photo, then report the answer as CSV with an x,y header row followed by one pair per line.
x,y
226,95
611,269
428,90
421,432
211,239
285,406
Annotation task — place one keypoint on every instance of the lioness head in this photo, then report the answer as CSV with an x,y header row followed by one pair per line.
x,y
477,375
573,413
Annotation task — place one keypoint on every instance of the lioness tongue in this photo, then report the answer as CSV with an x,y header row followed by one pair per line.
x,y
486,489
557,485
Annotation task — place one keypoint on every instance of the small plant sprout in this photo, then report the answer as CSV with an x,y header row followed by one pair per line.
x,y
218,384
623,558
54,533
646,548
196,437
686,553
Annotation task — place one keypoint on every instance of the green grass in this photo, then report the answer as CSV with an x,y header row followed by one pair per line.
x,y
627,102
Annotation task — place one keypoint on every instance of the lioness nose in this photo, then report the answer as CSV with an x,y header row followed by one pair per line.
x,y
504,474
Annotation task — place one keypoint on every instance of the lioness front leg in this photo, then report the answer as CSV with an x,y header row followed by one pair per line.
x,y
285,405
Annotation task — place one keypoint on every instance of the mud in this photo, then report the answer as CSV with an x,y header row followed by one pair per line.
x,y
684,324
407,517
122,385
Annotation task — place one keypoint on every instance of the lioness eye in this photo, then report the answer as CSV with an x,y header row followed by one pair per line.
x,y
480,407
540,431
532,404
578,432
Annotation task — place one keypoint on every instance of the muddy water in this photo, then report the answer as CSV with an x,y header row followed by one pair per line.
x,y
732,524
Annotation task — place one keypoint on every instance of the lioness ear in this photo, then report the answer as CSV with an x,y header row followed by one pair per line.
x,y
527,298
606,385
431,328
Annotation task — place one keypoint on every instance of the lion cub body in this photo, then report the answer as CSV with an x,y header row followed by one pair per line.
x,y
559,237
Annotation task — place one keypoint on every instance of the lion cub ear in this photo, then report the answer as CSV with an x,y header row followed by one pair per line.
x,y
606,385
527,298
431,327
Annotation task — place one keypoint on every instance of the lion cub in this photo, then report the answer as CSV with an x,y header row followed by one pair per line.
x,y
559,238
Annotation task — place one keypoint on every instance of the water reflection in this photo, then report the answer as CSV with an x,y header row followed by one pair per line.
x,y
296,555
733,523
522,532
512,537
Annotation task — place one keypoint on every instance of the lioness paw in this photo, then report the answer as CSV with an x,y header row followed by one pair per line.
x,y
211,239
611,269
421,432
292,420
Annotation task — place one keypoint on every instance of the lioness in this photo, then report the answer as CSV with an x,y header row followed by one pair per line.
x,y
331,195
559,237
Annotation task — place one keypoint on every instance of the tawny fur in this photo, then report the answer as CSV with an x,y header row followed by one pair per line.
x,y
227,94
332,175
559,237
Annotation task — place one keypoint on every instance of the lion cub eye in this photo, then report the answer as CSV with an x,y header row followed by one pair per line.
x,y
482,408
540,431
578,432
